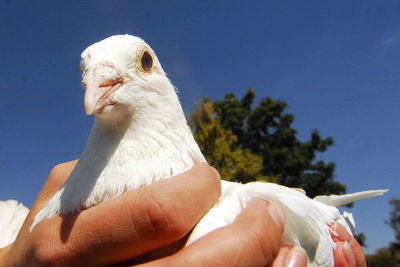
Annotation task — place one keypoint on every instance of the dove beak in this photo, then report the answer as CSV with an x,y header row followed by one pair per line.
x,y
97,97
98,91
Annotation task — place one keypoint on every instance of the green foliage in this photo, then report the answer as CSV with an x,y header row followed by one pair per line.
x,y
394,222
218,146
390,255
260,143
384,257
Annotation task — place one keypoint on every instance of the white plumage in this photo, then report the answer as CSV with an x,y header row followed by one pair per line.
x,y
140,135
12,216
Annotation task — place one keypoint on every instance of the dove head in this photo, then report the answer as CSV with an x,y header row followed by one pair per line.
x,y
122,75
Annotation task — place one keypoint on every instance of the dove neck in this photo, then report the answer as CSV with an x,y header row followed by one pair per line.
x,y
143,139
132,124
131,151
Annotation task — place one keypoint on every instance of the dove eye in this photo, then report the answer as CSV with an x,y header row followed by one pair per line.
x,y
147,61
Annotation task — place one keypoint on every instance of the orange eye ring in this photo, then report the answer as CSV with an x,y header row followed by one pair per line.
x,y
146,61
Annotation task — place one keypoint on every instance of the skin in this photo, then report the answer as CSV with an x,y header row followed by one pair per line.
x,y
149,226
348,251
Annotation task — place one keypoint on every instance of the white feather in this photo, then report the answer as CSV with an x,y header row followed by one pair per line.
x,y
12,216
143,137
337,200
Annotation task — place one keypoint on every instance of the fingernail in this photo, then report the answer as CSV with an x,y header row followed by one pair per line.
x,y
277,214
346,246
349,255
296,257
341,232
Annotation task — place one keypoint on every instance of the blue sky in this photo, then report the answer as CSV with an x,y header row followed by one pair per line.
x,y
337,64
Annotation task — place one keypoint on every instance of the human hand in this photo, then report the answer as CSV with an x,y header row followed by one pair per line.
x,y
347,251
253,239
113,232
118,229
142,221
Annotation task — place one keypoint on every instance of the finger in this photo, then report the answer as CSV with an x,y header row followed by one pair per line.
x,y
338,256
340,233
57,177
134,223
253,239
290,256
280,258
343,255
349,255
343,235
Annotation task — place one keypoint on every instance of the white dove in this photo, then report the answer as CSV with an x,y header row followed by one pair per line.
x,y
140,135
12,216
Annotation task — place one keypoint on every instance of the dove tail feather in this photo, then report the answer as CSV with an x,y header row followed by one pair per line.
x,y
339,200
301,227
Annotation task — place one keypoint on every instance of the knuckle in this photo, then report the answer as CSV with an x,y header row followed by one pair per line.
x,y
210,178
214,177
268,249
58,168
255,244
55,174
163,219
263,236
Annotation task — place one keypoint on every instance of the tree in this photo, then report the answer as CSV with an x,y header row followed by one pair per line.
x,y
360,237
383,257
394,222
389,256
218,146
258,143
